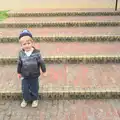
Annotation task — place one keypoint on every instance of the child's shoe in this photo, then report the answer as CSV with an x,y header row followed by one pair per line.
x,y
23,104
35,103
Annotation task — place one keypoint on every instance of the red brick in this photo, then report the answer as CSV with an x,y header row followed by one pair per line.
x,y
64,49
81,31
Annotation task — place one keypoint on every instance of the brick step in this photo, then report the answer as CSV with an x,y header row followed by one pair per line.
x,y
61,24
89,58
82,31
88,38
63,12
76,80
65,109
60,19
64,49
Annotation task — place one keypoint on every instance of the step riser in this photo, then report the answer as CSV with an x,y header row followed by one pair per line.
x,y
63,14
64,24
69,60
66,95
65,39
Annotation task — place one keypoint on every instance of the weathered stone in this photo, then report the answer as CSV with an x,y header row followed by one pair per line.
x,y
2,116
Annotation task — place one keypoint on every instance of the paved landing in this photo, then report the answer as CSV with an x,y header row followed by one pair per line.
x,y
62,110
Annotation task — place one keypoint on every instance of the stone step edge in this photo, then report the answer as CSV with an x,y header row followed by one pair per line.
x,y
70,93
50,14
60,24
104,38
69,59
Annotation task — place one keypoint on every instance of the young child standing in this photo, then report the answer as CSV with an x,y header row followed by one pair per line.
x,y
29,63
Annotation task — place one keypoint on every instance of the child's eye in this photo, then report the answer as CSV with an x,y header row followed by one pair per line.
x,y
29,43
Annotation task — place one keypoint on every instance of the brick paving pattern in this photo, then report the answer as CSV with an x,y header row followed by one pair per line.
x,y
83,75
62,110
65,48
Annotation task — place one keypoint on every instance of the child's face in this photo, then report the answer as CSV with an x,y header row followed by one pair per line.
x,y
26,43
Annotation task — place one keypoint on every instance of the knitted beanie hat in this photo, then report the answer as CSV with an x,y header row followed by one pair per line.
x,y
25,33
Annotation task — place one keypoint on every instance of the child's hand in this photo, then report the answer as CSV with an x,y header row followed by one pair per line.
x,y
45,74
19,76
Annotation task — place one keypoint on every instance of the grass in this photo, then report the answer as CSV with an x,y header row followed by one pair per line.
x,y
3,15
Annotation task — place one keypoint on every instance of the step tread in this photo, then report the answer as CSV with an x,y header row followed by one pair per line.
x,y
82,31
59,75
61,19
64,49
54,10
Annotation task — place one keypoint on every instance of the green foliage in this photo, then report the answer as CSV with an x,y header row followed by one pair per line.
x,y
3,14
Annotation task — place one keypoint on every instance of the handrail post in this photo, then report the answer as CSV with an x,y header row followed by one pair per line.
x,y
116,5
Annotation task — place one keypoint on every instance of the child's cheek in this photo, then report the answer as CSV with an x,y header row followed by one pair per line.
x,y
37,46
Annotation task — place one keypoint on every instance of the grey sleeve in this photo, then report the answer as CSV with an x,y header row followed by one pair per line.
x,y
41,63
19,65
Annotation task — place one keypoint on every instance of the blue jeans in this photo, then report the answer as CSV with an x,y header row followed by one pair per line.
x,y
30,88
